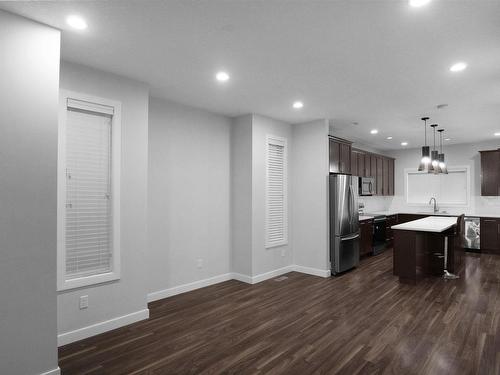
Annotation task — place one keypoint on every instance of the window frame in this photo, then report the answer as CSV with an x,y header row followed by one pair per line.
x,y
114,274
441,202
280,141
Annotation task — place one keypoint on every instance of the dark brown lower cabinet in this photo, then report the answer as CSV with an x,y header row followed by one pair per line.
x,y
389,234
404,218
490,235
366,237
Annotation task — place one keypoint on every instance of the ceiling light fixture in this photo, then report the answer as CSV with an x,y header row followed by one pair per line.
x,y
418,3
497,134
374,131
389,137
298,105
425,161
404,143
222,77
434,154
458,67
442,164
76,22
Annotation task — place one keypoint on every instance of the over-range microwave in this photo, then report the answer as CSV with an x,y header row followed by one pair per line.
x,y
366,186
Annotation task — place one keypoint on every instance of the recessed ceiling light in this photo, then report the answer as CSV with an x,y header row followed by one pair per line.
x,y
418,3
389,137
404,143
447,139
374,131
297,105
458,67
497,134
222,76
76,22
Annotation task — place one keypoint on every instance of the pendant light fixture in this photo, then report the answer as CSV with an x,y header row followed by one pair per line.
x,y
434,154
442,163
425,162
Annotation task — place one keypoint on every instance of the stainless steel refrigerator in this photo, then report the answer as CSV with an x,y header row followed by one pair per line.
x,y
344,223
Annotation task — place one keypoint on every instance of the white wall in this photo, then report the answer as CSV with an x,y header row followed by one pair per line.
x,y
266,260
127,295
241,195
189,195
309,195
29,81
456,155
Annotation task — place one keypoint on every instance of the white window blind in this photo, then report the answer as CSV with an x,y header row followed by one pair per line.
x,y
88,212
276,192
450,189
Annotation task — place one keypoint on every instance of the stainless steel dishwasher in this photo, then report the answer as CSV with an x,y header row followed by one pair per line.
x,y
472,232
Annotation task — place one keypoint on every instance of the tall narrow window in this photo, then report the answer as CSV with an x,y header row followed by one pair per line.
x,y
88,207
276,192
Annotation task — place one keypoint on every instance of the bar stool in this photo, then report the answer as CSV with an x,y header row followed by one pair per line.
x,y
458,234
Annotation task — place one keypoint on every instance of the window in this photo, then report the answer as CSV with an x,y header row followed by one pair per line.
x,y
452,189
88,191
276,192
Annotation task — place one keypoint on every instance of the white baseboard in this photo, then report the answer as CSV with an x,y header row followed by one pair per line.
x,y
95,329
243,278
272,274
188,287
312,271
56,371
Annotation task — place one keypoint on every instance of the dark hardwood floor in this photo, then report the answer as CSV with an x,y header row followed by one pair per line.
x,y
363,322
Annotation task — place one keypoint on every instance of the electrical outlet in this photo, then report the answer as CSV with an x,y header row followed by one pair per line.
x,y
84,302
199,263
283,252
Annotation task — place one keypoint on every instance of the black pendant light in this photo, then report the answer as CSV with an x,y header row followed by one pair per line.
x,y
434,154
425,162
442,163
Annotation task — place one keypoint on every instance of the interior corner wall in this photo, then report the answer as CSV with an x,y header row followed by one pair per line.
x,y
189,196
29,81
126,297
310,219
274,258
241,195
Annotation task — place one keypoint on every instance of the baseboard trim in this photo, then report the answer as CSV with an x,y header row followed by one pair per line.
x,y
243,278
188,287
312,271
56,371
272,274
98,328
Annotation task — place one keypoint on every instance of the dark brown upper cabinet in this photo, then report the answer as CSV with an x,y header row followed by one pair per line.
x,y
340,156
354,163
379,178
490,172
390,188
379,167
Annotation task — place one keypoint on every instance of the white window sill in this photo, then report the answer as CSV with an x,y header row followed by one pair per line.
x,y
88,281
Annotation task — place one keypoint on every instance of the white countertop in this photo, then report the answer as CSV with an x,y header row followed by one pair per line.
x,y
430,213
435,224
365,217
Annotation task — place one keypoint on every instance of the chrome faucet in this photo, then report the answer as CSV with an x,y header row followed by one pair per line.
x,y
436,208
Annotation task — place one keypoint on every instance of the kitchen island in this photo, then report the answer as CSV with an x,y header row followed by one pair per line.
x,y
419,248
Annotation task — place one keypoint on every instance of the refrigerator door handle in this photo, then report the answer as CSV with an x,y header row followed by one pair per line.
x,y
353,237
351,204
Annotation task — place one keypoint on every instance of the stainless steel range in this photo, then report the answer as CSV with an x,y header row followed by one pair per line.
x,y
379,232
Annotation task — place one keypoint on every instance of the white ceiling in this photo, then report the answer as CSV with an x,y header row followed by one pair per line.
x,y
380,63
